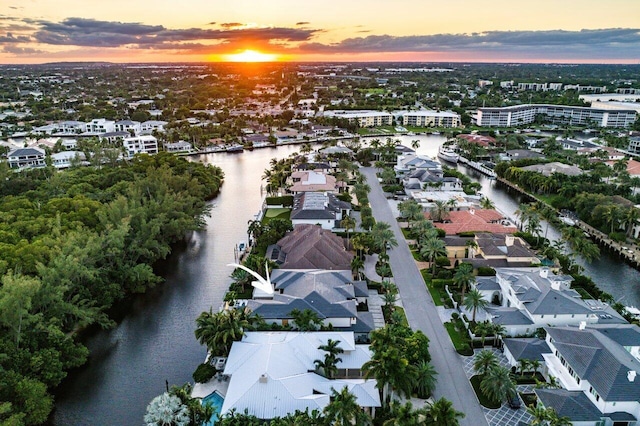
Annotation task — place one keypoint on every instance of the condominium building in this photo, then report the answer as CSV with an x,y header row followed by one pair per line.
x,y
572,115
363,118
431,119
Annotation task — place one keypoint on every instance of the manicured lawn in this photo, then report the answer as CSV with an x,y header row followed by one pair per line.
x,y
584,293
528,379
437,293
406,232
282,212
462,347
484,401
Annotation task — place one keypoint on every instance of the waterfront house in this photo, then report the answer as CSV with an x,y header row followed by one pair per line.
x,y
332,295
273,374
26,158
409,163
493,250
146,144
475,220
65,159
313,181
597,367
317,208
180,146
310,247
532,298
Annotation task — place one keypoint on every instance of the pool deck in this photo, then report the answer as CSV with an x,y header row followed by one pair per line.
x,y
200,390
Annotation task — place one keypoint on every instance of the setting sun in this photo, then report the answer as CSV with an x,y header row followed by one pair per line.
x,y
250,56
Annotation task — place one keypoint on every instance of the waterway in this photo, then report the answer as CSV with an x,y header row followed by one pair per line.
x,y
154,342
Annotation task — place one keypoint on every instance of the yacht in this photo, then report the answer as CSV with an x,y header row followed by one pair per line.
x,y
448,155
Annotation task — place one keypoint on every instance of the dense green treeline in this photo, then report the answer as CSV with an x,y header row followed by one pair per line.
x,y
71,245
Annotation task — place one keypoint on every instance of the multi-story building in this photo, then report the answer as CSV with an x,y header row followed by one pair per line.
x,y
573,115
146,144
26,158
363,118
128,126
634,145
101,125
431,119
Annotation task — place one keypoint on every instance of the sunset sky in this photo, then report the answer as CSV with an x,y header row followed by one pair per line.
x,y
599,31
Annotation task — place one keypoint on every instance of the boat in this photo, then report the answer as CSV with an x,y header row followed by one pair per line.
x,y
567,220
633,311
235,148
448,155
240,250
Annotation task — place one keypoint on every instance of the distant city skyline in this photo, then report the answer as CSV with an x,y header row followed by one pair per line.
x,y
570,31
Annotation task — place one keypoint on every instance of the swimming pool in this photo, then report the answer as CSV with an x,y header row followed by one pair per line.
x,y
216,400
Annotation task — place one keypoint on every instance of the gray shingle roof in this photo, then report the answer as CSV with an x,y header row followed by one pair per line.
x,y
573,404
508,316
600,360
527,348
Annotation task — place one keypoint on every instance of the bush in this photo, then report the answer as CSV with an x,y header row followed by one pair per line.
x,y
345,196
204,373
285,200
467,234
441,233
486,271
444,274
618,236
443,261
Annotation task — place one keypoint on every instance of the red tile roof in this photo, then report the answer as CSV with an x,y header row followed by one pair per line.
x,y
479,139
479,221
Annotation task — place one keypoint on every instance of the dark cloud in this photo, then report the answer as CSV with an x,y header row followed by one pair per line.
x,y
302,23
211,23
231,24
16,50
621,40
11,39
91,32
364,31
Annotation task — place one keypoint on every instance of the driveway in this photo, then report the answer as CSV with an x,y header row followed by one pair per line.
x,y
423,315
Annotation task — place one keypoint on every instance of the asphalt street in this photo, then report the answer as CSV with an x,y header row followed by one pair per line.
x,y
422,315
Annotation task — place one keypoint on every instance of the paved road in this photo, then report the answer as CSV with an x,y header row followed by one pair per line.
x,y
422,315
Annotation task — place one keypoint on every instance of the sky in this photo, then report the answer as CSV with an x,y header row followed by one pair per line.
x,y
558,31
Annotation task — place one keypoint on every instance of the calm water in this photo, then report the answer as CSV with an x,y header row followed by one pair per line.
x,y
155,341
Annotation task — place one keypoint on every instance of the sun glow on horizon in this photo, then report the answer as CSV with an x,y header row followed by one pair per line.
x,y
249,55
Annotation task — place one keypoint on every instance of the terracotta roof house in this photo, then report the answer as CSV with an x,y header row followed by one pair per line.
x,y
317,208
272,374
475,220
481,140
310,247
597,366
531,298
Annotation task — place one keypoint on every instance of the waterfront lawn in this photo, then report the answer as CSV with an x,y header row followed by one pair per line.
x,y
583,293
280,213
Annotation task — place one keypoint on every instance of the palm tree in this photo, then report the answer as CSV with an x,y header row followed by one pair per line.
x,y
415,144
348,223
534,364
497,384
332,347
405,415
425,380
218,331
392,371
357,264
167,410
241,277
474,301
389,299
382,236
411,210
439,211
483,329
487,204
484,361
539,414
631,219
498,332
523,364
463,277
431,249
343,410
442,413
306,320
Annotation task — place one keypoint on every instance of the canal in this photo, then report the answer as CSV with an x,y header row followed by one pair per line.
x,y
154,342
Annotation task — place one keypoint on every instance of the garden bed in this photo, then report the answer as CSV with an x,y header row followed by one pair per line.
x,y
484,401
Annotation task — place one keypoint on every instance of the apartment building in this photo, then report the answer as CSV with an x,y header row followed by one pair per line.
x,y
363,118
431,119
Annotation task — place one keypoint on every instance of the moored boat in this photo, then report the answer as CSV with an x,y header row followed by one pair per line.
x,y
448,155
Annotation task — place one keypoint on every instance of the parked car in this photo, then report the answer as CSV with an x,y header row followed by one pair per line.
x,y
514,401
